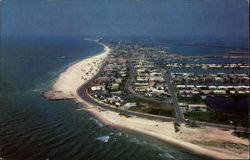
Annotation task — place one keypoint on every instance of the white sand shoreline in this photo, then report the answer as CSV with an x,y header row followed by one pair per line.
x,y
66,85
76,75
165,131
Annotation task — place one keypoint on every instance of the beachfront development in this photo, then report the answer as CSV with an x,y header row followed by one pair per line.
x,y
135,78
124,79
136,86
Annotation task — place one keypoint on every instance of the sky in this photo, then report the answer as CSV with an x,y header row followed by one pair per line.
x,y
125,18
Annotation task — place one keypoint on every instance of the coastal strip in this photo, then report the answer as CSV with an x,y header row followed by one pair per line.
x,y
165,131
76,75
81,72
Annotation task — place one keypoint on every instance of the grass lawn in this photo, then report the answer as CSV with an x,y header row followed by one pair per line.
x,y
146,106
219,117
159,97
191,100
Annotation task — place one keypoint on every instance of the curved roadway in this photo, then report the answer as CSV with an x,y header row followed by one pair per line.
x,y
82,92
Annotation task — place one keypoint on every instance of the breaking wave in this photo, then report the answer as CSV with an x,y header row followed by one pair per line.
x,y
99,123
104,139
166,155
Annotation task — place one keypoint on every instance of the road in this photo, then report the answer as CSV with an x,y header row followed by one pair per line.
x,y
130,77
178,112
129,88
137,95
82,93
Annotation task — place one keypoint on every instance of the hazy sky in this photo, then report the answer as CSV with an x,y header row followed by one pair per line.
x,y
125,18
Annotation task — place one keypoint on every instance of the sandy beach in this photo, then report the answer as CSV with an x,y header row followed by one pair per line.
x,y
79,73
185,138
202,140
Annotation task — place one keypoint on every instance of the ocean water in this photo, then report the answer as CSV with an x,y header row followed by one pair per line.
x,y
33,128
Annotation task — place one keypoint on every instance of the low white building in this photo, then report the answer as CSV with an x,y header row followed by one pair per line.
x,y
197,107
115,86
219,91
212,87
97,88
129,105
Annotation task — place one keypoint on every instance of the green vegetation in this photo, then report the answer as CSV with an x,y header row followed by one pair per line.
x,y
219,117
138,100
241,134
161,112
191,100
225,145
176,127
147,106
159,97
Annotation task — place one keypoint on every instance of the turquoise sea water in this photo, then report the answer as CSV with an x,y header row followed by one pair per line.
x,y
34,128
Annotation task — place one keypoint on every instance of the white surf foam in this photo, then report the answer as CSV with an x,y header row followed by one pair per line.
x,y
118,134
104,139
100,124
135,140
143,143
166,155
111,133
40,87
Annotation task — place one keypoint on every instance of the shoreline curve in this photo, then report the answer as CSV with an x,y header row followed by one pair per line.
x,y
66,87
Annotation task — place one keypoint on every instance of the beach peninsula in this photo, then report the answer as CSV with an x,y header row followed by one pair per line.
x,y
65,87
204,140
